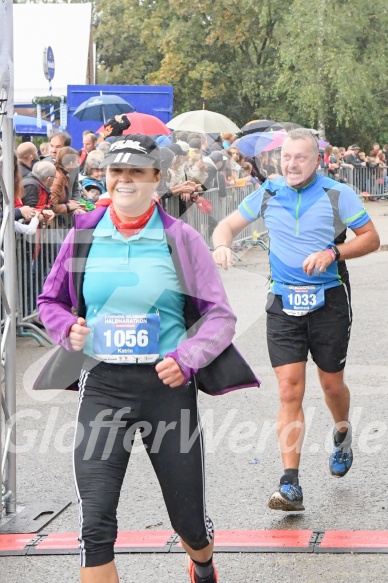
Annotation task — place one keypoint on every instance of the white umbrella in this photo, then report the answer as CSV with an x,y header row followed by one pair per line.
x,y
203,121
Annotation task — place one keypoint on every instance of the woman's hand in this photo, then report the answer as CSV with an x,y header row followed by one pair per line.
x,y
78,333
170,373
27,212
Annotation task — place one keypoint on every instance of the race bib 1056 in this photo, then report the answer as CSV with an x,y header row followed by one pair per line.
x,y
127,338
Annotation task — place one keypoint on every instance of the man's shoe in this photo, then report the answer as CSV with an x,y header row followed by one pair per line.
x,y
191,572
289,497
341,458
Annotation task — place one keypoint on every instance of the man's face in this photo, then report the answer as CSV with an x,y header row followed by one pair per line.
x,y
88,143
34,155
299,161
48,181
55,145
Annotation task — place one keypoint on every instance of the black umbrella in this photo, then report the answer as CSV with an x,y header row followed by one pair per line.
x,y
260,125
102,107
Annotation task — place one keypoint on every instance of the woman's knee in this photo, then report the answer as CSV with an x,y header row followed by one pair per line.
x,y
97,537
197,537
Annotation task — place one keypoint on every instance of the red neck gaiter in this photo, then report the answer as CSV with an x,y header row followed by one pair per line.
x,y
133,227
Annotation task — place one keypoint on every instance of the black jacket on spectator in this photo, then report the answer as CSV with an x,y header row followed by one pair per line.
x,y
24,169
215,178
354,160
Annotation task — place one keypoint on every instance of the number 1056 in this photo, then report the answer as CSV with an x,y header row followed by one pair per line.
x,y
129,338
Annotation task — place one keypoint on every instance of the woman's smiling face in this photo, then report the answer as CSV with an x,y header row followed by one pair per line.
x,y
131,188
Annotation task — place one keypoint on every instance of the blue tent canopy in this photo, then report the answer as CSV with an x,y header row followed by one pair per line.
x,y
24,124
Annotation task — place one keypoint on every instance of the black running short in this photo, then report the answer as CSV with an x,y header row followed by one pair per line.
x,y
324,332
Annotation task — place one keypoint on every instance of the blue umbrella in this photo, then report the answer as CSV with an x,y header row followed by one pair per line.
x,y
24,124
102,107
253,144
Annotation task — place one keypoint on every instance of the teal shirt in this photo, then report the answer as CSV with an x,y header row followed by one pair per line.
x,y
134,276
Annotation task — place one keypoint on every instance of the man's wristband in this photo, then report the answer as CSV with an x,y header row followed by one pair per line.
x,y
67,208
336,252
227,246
332,254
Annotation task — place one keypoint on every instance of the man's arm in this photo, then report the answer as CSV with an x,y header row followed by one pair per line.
x,y
366,241
223,237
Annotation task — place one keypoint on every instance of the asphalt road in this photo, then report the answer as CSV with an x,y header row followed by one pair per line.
x,y
239,431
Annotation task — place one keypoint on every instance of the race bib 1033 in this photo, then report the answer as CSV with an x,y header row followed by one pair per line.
x,y
299,300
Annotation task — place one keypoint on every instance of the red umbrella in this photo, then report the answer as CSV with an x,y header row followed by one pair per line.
x,y
143,123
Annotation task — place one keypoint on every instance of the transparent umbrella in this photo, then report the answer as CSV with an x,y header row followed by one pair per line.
x,y
203,121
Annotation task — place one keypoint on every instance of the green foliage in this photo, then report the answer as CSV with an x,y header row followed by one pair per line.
x,y
333,60
49,100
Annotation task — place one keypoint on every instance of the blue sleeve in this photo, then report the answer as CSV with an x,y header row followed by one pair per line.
x,y
250,207
351,209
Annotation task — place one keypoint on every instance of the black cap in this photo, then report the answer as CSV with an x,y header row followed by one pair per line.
x,y
355,147
133,150
217,156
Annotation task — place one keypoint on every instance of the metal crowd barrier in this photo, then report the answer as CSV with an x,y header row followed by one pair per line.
x,y
221,207
366,181
36,254
369,182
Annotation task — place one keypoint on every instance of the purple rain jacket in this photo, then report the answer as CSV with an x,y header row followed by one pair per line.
x,y
201,281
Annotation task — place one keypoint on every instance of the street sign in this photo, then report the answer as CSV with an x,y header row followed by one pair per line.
x,y
48,63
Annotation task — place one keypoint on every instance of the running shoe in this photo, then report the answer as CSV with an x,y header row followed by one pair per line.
x,y
289,497
191,572
341,458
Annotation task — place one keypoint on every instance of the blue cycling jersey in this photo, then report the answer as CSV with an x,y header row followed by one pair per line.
x,y
304,221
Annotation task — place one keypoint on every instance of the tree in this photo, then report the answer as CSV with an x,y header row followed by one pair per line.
x,y
332,60
218,52
127,53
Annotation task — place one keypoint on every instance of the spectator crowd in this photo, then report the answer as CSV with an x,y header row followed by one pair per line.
x,y
59,181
